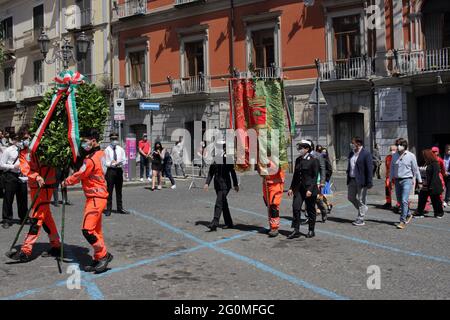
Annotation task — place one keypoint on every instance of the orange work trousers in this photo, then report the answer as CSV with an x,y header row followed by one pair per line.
x,y
92,226
41,217
273,193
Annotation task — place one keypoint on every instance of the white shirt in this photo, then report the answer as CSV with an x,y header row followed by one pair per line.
x,y
121,157
9,159
353,163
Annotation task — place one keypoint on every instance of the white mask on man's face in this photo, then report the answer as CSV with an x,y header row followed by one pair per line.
x,y
302,152
401,148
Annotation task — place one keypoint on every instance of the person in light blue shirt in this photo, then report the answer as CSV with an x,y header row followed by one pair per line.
x,y
447,178
404,170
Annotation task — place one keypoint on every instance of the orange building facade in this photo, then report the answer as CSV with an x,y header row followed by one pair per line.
x,y
380,63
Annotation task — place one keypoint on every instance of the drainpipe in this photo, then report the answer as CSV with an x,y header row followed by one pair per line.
x,y
232,37
372,114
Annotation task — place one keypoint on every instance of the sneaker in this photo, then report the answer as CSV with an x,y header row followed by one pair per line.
x,y
359,222
401,225
102,264
444,204
91,267
273,233
408,219
173,187
149,179
159,187
21,256
142,179
418,215
438,216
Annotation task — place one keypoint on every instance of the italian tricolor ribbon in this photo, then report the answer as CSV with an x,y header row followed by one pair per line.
x,y
66,82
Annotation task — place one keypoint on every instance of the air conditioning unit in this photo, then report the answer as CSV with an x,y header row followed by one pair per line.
x,y
72,17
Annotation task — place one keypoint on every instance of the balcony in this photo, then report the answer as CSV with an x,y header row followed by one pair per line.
x,y
78,20
262,73
30,37
421,61
34,91
193,85
180,3
354,68
8,95
129,9
9,44
133,92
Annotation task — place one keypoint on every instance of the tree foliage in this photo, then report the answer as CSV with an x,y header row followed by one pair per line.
x,y
54,149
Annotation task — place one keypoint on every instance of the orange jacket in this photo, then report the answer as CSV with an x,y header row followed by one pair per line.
x,y
30,167
92,176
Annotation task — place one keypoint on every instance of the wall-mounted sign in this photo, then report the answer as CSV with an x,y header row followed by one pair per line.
x,y
390,103
147,106
119,109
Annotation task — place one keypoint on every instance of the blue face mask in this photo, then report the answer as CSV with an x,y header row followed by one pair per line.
x,y
86,146
115,142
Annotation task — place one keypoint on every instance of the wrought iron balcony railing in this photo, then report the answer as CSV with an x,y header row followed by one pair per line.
x,y
34,91
133,92
8,95
421,61
263,73
129,8
354,68
192,85
183,2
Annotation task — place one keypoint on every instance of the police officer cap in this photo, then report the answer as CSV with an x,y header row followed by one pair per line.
x,y
304,144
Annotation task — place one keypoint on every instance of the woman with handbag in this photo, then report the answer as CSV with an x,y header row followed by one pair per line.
x,y
432,186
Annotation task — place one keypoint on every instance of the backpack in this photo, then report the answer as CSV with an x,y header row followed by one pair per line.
x,y
328,170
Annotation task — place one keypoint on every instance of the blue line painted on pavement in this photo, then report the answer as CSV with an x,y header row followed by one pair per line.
x,y
362,241
87,277
253,262
93,290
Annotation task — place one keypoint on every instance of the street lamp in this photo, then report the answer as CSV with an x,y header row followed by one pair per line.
x,y
65,53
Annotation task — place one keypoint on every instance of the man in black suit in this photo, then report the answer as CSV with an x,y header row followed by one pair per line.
x,y
359,178
221,170
304,188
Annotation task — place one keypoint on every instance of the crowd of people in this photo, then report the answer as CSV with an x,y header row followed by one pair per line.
x,y
101,172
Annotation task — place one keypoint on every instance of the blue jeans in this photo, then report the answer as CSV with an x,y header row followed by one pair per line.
x,y
402,190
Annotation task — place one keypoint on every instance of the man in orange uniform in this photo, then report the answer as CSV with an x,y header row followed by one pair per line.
x,y
41,216
388,183
92,177
273,185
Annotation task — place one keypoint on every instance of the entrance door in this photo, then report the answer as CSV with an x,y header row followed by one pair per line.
x,y
190,128
348,125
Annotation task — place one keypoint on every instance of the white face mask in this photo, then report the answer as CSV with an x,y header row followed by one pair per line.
x,y
401,148
302,152
115,142
26,143
353,146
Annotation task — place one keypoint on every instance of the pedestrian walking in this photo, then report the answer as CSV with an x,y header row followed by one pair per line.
x,y
144,154
115,160
447,175
388,183
432,186
167,167
273,188
14,184
2,148
223,173
178,158
43,177
404,170
359,178
157,165
92,177
304,188
376,159
322,209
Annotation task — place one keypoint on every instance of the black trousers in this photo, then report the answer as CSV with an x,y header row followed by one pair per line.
x,y
222,206
299,198
167,172
447,189
14,187
435,201
114,178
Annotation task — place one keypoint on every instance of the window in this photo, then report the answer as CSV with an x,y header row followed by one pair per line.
x,y
137,67
263,48
347,37
85,11
38,75
38,20
8,78
7,31
194,59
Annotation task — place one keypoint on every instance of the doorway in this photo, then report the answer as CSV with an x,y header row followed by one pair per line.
x,y
348,125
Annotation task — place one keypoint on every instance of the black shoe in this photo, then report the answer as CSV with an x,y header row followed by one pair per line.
x,y
6,224
52,252
294,234
439,216
212,226
102,264
68,203
20,256
107,213
273,233
123,211
310,234
91,267
228,226
324,217
387,205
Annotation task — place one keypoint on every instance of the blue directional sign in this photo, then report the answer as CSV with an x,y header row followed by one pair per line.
x,y
147,106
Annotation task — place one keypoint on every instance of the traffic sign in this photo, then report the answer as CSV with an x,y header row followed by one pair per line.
x,y
119,109
147,106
